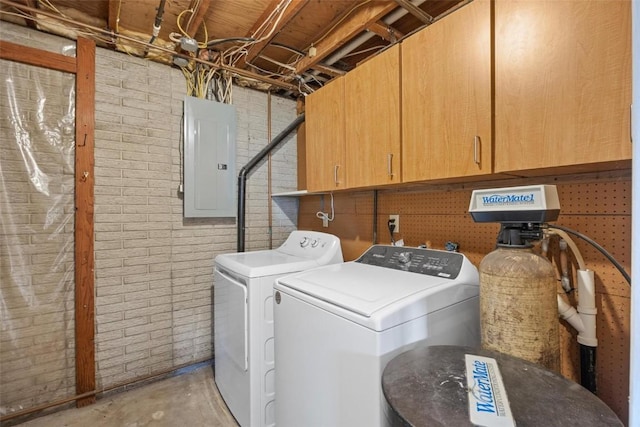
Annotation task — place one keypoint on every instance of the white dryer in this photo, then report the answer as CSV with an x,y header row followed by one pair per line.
x,y
243,319
336,327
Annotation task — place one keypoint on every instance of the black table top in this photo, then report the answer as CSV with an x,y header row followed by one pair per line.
x,y
427,386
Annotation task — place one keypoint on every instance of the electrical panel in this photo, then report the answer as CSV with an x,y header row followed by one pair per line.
x,y
209,159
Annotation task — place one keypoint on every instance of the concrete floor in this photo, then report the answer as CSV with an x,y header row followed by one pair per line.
x,y
189,399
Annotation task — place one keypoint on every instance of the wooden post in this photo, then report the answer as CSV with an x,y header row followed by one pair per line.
x,y
84,202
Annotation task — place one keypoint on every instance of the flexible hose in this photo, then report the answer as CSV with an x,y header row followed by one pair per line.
x,y
593,243
572,245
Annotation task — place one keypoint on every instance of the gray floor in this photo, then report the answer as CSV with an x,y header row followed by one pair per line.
x,y
189,399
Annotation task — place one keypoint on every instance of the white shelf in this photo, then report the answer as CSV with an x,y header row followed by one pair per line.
x,y
292,193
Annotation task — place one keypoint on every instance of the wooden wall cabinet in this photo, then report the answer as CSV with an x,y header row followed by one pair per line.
x,y
372,112
325,137
562,84
446,97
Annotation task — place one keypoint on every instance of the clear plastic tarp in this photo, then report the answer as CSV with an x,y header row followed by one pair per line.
x,y
37,117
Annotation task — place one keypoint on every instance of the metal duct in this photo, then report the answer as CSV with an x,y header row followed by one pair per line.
x,y
248,168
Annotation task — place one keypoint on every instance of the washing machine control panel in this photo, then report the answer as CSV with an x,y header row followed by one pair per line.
x,y
415,260
314,245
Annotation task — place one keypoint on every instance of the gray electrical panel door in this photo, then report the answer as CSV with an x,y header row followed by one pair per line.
x,y
209,158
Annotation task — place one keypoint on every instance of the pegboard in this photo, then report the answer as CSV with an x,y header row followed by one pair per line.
x,y
607,198
598,208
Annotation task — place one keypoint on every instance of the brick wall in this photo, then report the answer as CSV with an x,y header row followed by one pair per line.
x,y
154,269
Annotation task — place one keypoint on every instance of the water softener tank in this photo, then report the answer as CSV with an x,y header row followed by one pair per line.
x,y
518,306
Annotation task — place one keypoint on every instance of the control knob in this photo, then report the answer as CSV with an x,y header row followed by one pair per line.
x,y
314,243
304,242
404,257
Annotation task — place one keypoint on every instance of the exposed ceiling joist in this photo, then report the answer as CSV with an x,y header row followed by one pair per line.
x,y
32,4
385,32
415,11
341,35
256,49
329,70
112,19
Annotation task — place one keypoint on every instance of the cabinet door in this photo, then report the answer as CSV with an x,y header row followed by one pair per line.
x,y
562,83
324,127
446,97
372,111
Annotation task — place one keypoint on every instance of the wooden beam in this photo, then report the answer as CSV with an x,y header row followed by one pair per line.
x,y
39,58
112,20
350,28
31,23
329,70
415,11
254,50
196,21
84,204
386,32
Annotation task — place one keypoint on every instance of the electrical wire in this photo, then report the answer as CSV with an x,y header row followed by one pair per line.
x,y
202,45
194,9
214,42
377,47
234,54
593,243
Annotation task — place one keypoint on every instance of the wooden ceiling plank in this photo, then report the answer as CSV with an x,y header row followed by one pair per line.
x,y
256,49
415,11
350,28
195,23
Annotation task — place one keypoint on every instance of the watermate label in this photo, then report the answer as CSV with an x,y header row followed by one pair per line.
x,y
488,403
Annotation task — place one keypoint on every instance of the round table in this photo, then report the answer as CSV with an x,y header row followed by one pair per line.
x,y
427,386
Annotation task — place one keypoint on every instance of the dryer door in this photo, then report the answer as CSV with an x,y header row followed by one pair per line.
x,y
230,314
231,342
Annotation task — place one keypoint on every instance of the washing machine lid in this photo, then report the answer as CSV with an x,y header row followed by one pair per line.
x,y
263,263
377,297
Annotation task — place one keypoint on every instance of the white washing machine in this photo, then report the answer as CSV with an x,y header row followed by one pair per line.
x,y
336,327
243,319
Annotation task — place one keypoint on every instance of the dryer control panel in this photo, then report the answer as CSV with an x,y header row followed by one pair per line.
x,y
415,260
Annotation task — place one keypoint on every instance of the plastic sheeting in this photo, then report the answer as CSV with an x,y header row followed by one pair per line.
x,y
36,236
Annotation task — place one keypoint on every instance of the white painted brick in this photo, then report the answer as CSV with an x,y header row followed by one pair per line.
x,y
146,277
161,293
119,325
133,330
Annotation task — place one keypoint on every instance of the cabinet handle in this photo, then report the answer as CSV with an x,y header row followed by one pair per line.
x,y
476,146
389,165
335,174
